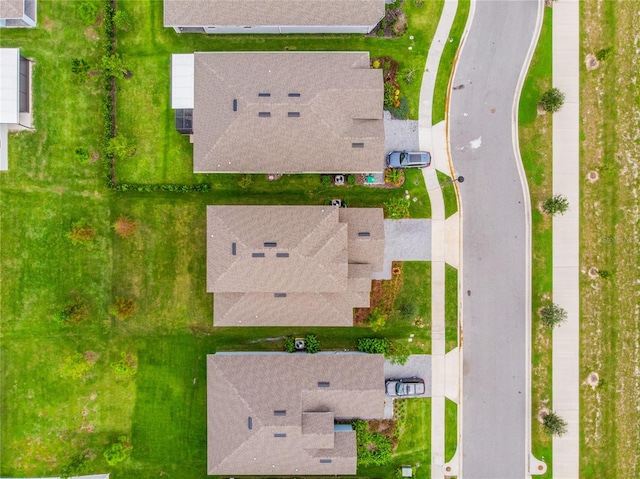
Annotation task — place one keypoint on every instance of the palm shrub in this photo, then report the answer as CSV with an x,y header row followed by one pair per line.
x,y
377,319
118,451
80,68
556,204
551,100
325,180
74,312
81,154
290,344
121,146
122,20
551,315
88,12
311,343
604,54
114,66
554,425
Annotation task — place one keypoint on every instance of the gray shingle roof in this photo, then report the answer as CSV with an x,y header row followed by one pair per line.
x,y
11,9
272,12
291,265
254,385
339,104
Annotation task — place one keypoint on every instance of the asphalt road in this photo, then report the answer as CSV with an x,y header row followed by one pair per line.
x,y
494,437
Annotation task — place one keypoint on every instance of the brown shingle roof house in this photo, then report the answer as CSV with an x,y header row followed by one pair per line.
x,y
273,16
18,13
274,413
291,265
284,112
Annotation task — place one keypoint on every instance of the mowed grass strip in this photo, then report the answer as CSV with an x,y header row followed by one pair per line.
x,y
446,62
535,135
609,108
450,429
451,307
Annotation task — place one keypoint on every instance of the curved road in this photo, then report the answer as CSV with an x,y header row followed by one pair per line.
x,y
495,382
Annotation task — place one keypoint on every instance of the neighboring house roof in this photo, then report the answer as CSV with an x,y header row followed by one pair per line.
x,y
11,8
246,436
287,113
291,265
272,12
9,85
18,13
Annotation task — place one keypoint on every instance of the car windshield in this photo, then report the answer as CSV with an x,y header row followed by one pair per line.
x,y
403,158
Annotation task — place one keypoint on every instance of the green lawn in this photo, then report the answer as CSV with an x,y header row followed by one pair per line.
x,y
451,307
416,289
450,429
446,62
47,418
448,194
414,445
535,134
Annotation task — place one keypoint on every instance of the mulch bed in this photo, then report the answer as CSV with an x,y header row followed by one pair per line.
x,y
383,294
392,25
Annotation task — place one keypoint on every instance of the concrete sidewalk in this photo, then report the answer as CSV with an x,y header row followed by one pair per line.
x,y
566,236
442,377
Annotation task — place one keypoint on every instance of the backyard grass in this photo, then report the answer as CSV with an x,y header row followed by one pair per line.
x,y
47,417
609,220
450,307
446,62
535,135
450,429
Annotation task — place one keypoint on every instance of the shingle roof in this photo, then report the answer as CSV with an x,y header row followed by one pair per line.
x,y
339,104
272,12
255,385
11,9
291,265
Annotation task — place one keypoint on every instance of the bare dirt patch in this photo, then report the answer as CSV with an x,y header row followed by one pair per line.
x,y
542,413
592,380
91,357
91,34
591,62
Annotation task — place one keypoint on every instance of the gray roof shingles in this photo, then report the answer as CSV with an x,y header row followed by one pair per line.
x,y
272,12
240,386
340,103
326,274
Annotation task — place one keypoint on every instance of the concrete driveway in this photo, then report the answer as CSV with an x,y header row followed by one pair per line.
x,y
418,365
399,134
405,240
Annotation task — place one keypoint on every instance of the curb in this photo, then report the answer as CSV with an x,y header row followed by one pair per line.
x,y
527,208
